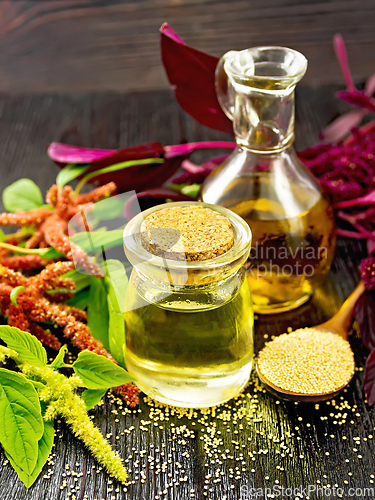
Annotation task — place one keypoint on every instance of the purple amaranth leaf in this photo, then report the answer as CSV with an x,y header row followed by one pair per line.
x,y
167,30
191,74
137,177
65,153
364,313
369,378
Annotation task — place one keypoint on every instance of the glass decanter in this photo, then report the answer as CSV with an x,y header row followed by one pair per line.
x,y
264,181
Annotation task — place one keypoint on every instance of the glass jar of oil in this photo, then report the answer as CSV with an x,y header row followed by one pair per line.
x,y
189,323
263,180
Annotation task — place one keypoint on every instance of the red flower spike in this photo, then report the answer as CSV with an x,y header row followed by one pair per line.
x,y
98,194
191,74
46,337
24,263
20,218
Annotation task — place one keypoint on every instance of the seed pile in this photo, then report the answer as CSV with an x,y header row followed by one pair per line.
x,y
307,361
235,441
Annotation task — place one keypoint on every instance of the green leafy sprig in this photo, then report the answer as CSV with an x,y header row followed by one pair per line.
x,y
23,194
33,397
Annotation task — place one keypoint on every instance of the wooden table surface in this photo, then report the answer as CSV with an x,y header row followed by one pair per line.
x,y
254,441
96,45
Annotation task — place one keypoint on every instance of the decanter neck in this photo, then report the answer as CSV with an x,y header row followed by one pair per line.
x,y
263,120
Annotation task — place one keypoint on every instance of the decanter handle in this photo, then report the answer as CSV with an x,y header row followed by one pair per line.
x,y
232,74
224,88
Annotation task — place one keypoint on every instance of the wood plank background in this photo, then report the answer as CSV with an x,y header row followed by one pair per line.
x,y
101,45
172,456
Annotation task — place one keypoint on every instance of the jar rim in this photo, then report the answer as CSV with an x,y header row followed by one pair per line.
x,y
296,61
138,255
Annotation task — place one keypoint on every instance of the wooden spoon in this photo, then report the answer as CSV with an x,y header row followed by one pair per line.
x,y
339,324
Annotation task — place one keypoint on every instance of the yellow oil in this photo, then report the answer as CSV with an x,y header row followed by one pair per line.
x,y
293,240
186,350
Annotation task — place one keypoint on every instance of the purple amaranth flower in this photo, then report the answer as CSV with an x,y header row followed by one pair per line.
x,y
367,271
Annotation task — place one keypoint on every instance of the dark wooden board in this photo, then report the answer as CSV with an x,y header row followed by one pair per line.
x,y
94,45
202,455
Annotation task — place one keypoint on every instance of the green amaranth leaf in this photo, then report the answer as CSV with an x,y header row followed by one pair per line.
x,y
98,316
116,282
98,372
116,332
21,423
14,293
81,281
28,347
69,173
58,362
95,240
44,449
191,190
109,208
23,194
119,166
91,397
50,253
80,299
45,444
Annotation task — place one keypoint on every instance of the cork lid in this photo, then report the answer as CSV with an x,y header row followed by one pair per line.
x,y
187,233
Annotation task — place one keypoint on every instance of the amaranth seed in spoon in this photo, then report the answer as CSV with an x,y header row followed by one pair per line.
x,y
307,361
